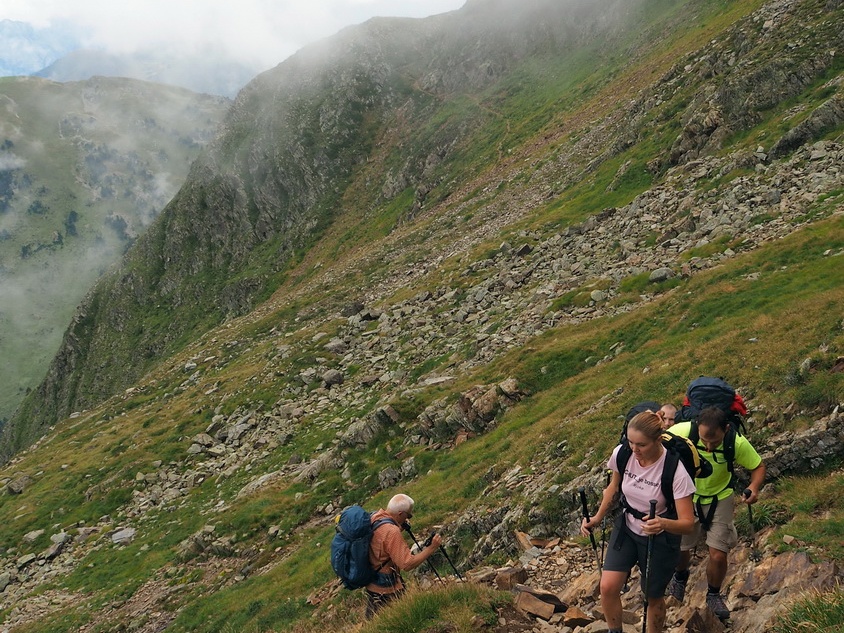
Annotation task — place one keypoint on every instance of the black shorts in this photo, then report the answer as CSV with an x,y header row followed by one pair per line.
x,y
627,549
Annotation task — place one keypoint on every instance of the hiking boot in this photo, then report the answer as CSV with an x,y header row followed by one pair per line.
x,y
716,604
677,589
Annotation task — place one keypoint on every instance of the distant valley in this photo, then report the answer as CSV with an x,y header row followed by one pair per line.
x,y
84,168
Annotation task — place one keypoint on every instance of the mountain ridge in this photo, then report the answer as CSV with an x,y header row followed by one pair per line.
x,y
56,53
295,188
206,72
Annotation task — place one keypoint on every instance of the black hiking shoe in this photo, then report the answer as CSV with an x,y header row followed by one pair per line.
x,y
677,589
716,604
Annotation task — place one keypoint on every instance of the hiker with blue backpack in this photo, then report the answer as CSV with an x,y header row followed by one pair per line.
x,y
390,555
368,550
713,412
657,509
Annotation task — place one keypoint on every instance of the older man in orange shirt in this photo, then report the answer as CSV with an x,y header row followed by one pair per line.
x,y
389,554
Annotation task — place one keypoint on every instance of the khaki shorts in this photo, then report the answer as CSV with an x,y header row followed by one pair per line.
x,y
722,533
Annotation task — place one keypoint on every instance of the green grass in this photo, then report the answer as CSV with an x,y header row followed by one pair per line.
x,y
67,621
816,511
273,599
461,609
815,612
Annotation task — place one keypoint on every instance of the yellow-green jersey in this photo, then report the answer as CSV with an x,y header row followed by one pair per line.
x,y
718,484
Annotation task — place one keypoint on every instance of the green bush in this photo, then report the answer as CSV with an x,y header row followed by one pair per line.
x,y
765,514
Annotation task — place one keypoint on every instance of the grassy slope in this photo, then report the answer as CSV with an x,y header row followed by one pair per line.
x,y
724,305
769,325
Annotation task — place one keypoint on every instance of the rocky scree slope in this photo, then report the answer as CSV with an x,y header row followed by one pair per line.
x,y
397,335
360,114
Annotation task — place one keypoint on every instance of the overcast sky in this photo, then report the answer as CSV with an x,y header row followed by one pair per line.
x,y
262,32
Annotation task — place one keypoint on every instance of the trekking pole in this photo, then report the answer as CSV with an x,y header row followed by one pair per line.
x,y
604,520
647,570
444,553
755,555
427,542
582,492
406,526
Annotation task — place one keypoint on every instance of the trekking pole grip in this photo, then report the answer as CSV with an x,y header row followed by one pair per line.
x,y
747,492
582,492
406,527
653,509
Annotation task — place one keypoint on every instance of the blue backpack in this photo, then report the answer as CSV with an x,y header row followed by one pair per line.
x,y
350,547
709,391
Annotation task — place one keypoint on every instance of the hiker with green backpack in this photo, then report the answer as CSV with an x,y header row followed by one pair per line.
x,y
714,426
641,473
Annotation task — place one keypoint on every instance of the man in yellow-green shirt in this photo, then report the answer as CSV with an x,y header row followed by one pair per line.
x,y
714,501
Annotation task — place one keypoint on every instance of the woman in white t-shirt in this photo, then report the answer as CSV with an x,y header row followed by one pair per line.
x,y
639,484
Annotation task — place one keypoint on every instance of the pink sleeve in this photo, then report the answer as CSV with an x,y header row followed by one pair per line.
x,y
611,463
684,485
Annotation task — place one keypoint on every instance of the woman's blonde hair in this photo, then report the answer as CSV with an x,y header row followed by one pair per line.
x,y
648,424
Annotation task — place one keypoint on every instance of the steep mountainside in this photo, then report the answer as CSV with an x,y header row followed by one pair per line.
x,y
384,119
85,167
443,257
365,129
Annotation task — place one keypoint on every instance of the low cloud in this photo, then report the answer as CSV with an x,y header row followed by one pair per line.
x,y
262,32
9,162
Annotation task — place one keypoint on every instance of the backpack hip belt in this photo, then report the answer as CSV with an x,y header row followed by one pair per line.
x,y
636,514
622,522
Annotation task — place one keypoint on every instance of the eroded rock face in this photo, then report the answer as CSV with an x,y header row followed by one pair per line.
x,y
475,411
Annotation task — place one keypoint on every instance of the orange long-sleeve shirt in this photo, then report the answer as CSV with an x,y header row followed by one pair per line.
x,y
388,551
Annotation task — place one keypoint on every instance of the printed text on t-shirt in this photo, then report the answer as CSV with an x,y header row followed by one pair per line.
x,y
640,482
